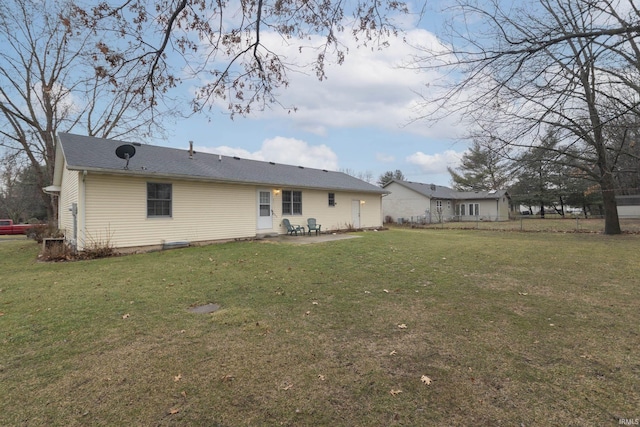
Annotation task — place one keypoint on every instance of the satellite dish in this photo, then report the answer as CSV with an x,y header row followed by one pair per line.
x,y
126,151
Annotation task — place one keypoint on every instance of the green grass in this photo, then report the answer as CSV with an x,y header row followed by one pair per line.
x,y
512,328
552,223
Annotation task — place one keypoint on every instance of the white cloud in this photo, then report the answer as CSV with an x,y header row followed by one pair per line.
x,y
284,150
372,88
435,163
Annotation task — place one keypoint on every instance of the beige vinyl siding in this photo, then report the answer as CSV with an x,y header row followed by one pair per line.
x,y
370,209
68,196
116,211
315,204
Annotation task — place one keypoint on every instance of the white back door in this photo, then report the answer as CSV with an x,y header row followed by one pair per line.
x,y
265,216
355,213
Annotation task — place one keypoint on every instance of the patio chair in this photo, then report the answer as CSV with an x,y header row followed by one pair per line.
x,y
311,224
292,228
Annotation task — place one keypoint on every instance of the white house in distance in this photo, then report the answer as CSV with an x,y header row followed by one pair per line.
x,y
628,206
132,195
414,201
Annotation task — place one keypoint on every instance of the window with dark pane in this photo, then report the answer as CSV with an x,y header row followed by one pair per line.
x,y
291,202
158,200
297,202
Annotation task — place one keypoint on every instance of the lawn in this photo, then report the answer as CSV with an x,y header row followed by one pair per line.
x,y
553,223
399,327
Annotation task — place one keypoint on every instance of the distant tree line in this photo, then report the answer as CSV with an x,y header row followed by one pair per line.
x,y
20,192
558,75
539,177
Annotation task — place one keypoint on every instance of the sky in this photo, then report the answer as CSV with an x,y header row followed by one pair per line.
x,y
359,119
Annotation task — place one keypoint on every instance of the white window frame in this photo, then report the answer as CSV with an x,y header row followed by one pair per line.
x,y
154,202
289,203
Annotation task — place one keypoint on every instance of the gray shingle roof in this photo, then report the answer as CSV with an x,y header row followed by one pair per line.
x,y
467,195
98,154
429,190
441,192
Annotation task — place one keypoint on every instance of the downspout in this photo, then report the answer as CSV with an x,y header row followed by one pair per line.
x,y
82,197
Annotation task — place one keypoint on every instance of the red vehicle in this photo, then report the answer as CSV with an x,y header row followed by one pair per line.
x,y
8,227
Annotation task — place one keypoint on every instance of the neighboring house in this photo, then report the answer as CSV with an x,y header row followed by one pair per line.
x,y
161,196
414,201
628,206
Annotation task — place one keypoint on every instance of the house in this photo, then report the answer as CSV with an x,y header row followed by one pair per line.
x,y
131,195
418,202
628,206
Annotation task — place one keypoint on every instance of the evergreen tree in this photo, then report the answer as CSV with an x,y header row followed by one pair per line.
x,y
389,176
482,169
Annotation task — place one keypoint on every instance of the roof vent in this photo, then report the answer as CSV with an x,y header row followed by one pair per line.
x,y
301,167
272,163
125,152
191,149
219,157
236,157
433,187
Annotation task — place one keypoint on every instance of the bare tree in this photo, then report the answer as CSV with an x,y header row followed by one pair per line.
x,y
226,44
366,176
12,206
57,75
549,65
19,192
106,68
625,132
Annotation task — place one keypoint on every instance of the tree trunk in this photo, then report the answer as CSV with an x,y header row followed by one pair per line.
x,y
52,210
611,220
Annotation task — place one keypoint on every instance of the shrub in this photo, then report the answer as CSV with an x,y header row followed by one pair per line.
x,y
39,232
97,250
57,251
98,247
350,227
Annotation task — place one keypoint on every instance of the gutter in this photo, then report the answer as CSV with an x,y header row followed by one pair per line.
x,y
53,190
